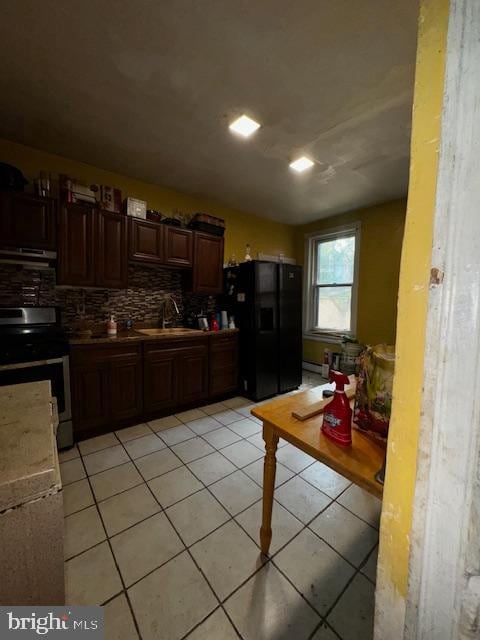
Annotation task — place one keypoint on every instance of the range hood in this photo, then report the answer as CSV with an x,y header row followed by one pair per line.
x,y
37,258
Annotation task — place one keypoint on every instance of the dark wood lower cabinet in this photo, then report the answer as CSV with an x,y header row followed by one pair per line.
x,y
114,385
223,364
125,380
160,378
175,375
193,369
90,396
106,386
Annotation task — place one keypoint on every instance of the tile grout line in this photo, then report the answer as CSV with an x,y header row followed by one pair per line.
x,y
124,590
231,517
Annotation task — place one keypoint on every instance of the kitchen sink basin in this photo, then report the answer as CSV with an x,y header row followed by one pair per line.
x,y
173,331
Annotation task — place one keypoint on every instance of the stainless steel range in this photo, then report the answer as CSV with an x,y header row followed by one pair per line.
x,y
34,347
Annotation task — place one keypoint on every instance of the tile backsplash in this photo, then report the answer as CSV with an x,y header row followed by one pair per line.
x,y
140,302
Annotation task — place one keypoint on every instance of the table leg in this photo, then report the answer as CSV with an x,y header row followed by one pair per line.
x,y
269,468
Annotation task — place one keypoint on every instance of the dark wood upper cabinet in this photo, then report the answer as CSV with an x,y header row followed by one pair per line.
x,y
76,245
207,263
145,241
178,247
111,260
27,221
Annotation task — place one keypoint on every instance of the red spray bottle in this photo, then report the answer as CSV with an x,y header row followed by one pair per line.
x,y
337,417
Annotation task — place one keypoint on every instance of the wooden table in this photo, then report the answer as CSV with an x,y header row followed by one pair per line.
x,y
359,463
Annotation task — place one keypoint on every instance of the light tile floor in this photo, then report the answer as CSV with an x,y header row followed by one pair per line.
x,y
162,525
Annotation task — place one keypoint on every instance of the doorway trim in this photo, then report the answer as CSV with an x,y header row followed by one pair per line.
x,y
444,573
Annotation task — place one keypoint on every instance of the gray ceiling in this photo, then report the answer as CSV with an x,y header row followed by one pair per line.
x,y
147,88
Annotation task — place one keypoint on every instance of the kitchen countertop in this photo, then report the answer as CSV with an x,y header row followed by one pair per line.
x,y
28,451
136,336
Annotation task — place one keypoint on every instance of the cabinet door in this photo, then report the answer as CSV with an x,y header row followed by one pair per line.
x,y
178,247
207,263
145,241
76,245
28,221
111,255
125,386
90,397
193,374
159,378
223,364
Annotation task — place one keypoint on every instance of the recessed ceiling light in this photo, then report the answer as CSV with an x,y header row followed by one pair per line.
x,y
244,126
301,164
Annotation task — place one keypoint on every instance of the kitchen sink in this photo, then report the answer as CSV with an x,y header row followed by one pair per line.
x,y
173,331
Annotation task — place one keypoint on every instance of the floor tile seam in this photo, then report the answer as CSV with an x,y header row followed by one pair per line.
x,y
329,626
220,607
228,445
187,550
84,455
349,582
320,615
365,562
143,435
116,564
377,529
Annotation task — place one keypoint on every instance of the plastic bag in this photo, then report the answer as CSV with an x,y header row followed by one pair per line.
x,y
373,399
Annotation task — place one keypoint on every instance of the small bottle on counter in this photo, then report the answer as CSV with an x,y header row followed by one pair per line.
x,y
111,327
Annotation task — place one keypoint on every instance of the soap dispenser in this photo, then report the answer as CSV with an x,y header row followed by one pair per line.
x,y
111,327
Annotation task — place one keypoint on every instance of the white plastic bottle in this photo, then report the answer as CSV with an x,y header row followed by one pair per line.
x,y
111,327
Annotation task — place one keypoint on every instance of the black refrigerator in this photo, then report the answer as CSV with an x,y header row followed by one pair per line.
x,y
266,300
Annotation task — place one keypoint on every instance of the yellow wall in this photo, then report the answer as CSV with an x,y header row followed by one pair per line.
x,y
379,264
241,228
412,308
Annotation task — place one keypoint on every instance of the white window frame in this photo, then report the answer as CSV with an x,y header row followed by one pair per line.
x,y
311,240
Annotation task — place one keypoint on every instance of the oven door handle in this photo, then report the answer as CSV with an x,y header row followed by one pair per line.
x,y
28,365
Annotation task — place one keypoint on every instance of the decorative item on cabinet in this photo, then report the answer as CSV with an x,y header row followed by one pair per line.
x,y
108,198
135,208
207,223
11,178
41,185
154,216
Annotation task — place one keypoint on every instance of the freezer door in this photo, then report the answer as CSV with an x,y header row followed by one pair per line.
x,y
266,330
289,327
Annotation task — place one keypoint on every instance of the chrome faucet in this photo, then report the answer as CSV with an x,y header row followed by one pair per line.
x,y
165,301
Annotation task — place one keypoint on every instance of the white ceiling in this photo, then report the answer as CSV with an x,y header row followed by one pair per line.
x,y
147,88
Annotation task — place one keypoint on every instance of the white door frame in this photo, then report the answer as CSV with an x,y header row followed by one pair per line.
x,y
444,574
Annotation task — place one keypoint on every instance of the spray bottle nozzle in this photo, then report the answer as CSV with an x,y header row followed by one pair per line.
x,y
340,379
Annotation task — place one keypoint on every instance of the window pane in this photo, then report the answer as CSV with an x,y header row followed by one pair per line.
x,y
335,261
334,308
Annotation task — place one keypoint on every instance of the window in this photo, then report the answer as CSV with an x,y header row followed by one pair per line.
x,y
331,283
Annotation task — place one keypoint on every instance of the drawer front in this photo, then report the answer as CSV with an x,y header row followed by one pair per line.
x,y
84,354
223,353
